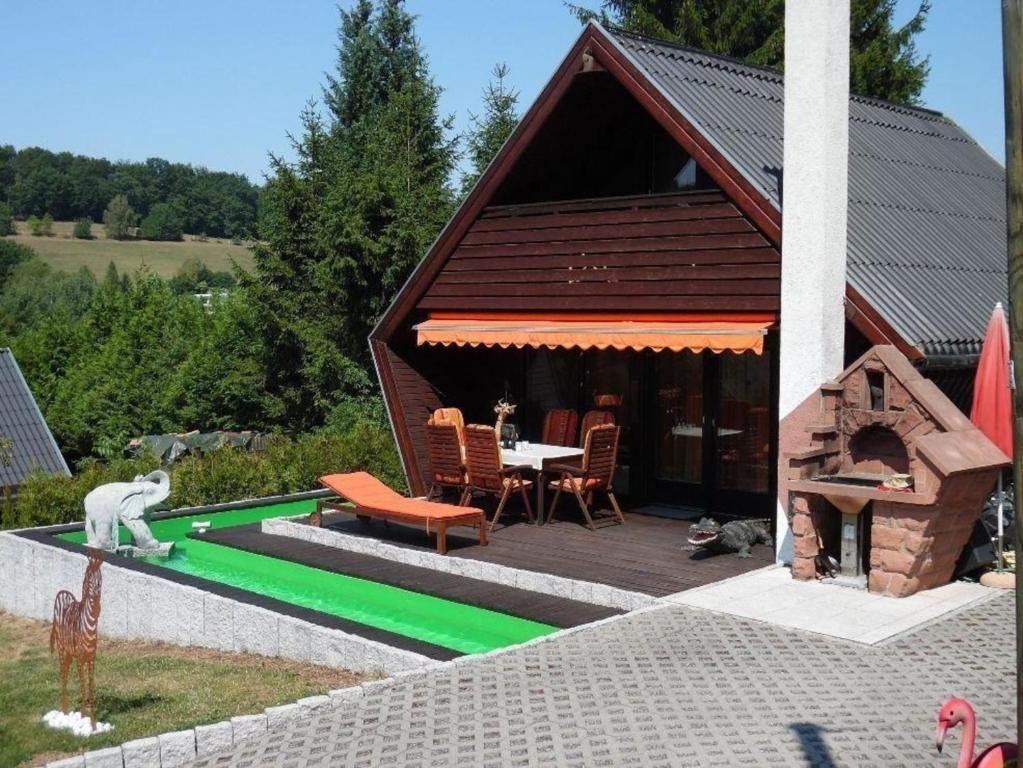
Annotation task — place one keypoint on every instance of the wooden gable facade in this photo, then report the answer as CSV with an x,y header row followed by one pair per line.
x,y
580,214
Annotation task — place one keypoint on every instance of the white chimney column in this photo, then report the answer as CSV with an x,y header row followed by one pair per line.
x,y
814,205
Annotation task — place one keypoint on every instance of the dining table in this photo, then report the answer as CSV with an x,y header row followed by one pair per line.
x,y
540,457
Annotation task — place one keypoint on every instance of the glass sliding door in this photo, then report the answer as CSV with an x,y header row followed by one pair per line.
x,y
711,431
679,446
744,435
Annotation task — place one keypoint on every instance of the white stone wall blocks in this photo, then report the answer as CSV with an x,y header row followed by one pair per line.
x,y
177,748
140,598
104,758
213,738
7,578
114,610
218,622
295,640
314,706
78,761
141,753
255,630
178,618
248,727
281,719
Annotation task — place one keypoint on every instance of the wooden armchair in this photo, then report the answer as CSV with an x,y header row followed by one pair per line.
x,y
593,419
444,451
485,473
559,427
600,457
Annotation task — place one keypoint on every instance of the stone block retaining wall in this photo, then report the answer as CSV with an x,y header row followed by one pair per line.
x,y
148,607
544,583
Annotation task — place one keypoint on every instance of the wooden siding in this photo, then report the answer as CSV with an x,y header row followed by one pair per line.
x,y
679,252
417,399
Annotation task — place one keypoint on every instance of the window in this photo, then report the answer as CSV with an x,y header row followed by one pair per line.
x,y
876,390
686,177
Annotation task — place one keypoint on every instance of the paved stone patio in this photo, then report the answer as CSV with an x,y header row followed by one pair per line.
x,y
676,686
772,595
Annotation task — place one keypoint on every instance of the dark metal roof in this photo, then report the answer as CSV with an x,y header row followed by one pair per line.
x,y
927,238
21,422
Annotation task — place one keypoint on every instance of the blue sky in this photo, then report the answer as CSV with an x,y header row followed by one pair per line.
x,y
221,82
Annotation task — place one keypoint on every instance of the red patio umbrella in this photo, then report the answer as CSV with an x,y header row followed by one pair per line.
x,y
992,395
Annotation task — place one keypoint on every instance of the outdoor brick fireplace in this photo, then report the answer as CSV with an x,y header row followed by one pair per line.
x,y
888,481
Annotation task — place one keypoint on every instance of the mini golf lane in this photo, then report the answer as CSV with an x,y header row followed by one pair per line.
x,y
446,623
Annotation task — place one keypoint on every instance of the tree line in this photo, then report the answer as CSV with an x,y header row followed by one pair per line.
x,y
38,182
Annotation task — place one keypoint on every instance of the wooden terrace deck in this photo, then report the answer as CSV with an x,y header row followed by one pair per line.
x,y
644,555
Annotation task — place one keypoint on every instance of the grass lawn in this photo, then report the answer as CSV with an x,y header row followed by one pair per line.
x,y
67,254
142,688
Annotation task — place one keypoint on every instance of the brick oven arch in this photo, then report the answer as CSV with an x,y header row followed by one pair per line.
x,y
877,449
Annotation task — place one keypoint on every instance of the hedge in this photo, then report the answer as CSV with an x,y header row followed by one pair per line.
x,y
286,466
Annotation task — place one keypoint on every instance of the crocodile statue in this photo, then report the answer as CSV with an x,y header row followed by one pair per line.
x,y
735,536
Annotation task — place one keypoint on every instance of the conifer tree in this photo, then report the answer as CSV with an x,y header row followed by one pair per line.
x,y
883,59
490,130
345,223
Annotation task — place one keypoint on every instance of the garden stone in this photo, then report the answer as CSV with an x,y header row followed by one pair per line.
x,y
248,727
281,719
141,753
294,638
140,617
313,706
177,748
218,622
255,630
78,761
104,758
212,738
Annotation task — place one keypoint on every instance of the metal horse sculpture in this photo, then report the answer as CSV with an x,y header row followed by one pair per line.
x,y
73,635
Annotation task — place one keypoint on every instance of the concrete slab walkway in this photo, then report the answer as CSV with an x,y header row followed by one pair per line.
x,y
772,595
675,686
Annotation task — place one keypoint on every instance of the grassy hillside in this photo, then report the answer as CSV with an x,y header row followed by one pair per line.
x,y
67,254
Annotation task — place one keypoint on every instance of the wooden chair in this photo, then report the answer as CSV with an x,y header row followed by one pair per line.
x,y
444,450
559,427
593,419
600,458
485,473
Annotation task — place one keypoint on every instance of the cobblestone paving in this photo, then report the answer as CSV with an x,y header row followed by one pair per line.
x,y
677,686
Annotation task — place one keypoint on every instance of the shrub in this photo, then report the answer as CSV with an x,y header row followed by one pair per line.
x,y
162,223
6,220
40,227
11,255
288,465
83,229
120,219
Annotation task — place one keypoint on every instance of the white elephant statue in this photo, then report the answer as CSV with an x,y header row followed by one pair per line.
x,y
127,503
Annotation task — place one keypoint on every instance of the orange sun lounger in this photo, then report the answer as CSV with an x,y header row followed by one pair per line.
x,y
374,499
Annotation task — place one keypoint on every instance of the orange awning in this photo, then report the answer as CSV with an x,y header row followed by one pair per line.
x,y
694,335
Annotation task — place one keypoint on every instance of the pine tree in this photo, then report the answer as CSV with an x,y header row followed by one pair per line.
x,y
345,223
883,59
491,130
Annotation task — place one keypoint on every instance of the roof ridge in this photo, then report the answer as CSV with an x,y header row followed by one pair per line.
x,y
776,73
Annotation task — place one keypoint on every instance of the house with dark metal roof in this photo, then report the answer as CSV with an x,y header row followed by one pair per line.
x,y
626,242
26,443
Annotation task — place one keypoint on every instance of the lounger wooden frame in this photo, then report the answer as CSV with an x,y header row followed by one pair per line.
x,y
437,525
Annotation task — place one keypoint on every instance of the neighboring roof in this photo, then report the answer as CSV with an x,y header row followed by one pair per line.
x,y
21,422
927,233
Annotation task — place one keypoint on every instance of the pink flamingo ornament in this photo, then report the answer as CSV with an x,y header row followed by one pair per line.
x,y
956,711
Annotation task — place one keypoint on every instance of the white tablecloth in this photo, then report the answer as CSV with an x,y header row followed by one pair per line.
x,y
536,453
